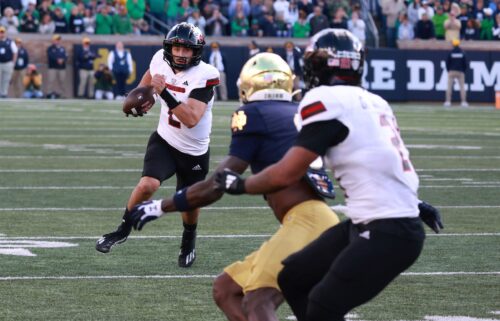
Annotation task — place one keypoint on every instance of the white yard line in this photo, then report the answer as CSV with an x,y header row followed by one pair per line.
x,y
214,236
202,276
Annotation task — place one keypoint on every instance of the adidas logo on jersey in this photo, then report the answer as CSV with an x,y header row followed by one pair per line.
x,y
185,83
196,168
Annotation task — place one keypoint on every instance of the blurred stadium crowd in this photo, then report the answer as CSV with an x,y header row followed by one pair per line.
x,y
394,19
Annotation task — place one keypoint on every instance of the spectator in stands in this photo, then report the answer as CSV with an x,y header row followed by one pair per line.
x,y
306,5
104,83
136,10
301,28
253,49
357,27
216,24
456,64
281,6
239,25
103,21
197,20
89,21
425,28
9,21
120,64
292,15
256,10
425,8
29,23
8,56
57,58
472,30
282,28
293,56
158,9
16,5
339,19
66,7
47,26
143,28
76,24
412,12
268,26
172,11
20,65
60,21
236,6
32,82
184,12
318,20
496,29
85,66
391,10
487,25
255,30
438,20
44,8
452,27
218,60
405,30
122,24
463,17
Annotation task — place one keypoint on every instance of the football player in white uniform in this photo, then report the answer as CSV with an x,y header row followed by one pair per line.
x,y
357,133
180,146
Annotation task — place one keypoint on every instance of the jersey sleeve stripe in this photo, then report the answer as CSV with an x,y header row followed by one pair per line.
x,y
175,88
212,82
312,109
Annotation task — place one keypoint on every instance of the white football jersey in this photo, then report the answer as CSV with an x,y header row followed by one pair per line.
x,y
193,141
372,164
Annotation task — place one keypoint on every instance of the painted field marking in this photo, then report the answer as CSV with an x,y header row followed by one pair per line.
x,y
202,276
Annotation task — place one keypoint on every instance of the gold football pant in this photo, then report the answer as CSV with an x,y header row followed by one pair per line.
x,y
301,225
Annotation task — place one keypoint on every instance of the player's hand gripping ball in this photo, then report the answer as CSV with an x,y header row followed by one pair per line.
x,y
139,101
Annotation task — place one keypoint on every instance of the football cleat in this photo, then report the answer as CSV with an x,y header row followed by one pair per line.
x,y
187,254
107,241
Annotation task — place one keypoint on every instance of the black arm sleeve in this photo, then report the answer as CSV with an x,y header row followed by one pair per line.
x,y
319,136
202,94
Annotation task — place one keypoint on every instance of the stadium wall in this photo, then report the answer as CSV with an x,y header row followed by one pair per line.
x,y
415,73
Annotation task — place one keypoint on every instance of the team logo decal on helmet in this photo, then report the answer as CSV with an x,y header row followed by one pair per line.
x,y
332,55
265,76
186,35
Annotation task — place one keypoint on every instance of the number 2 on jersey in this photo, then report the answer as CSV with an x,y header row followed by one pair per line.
x,y
390,121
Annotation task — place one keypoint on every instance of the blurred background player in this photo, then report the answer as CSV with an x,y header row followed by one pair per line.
x,y
180,145
263,130
32,82
357,132
120,64
103,83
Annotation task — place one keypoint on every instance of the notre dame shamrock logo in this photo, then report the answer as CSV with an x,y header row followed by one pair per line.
x,y
238,121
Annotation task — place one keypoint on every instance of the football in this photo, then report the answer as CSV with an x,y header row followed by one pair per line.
x,y
137,99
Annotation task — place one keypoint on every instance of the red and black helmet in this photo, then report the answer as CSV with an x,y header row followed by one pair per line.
x,y
186,35
333,55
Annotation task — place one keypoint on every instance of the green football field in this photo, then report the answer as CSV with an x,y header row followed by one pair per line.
x,y
68,167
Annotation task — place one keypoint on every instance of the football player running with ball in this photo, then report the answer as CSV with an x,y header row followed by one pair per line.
x,y
180,144
357,133
263,130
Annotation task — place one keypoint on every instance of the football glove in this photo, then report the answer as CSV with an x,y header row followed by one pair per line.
x,y
145,212
430,216
229,182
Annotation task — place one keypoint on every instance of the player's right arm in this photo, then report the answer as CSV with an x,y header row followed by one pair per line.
x,y
145,80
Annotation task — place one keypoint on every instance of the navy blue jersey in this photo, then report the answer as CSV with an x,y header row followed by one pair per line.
x,y
262,132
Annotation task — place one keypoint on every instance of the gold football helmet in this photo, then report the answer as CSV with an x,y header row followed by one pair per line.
x,y
265,76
